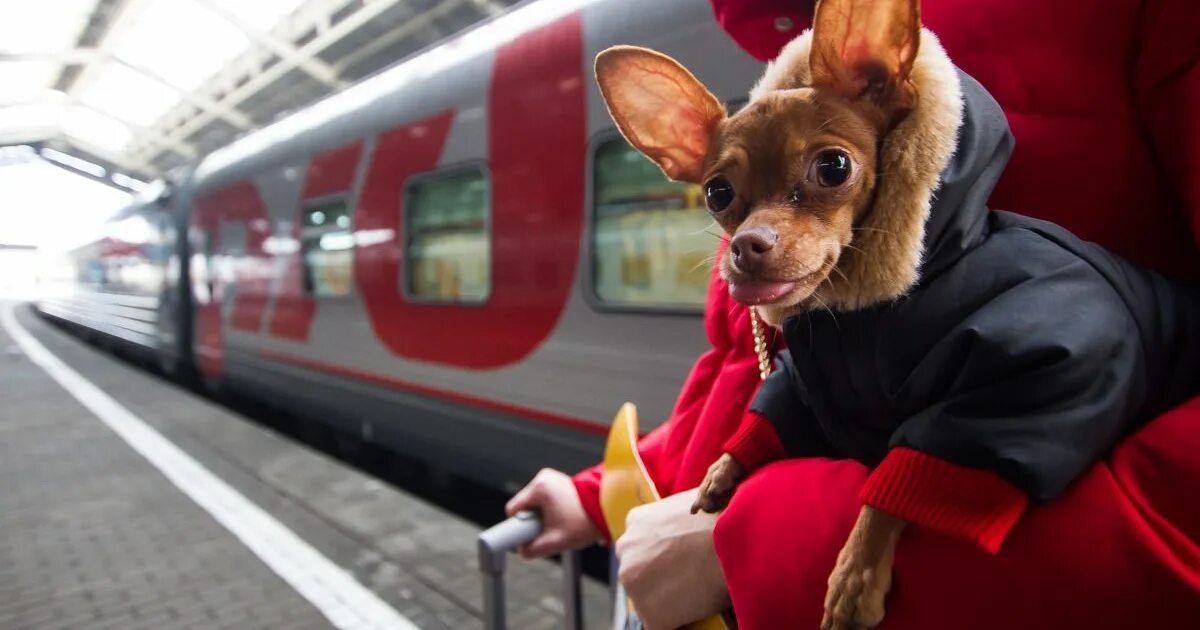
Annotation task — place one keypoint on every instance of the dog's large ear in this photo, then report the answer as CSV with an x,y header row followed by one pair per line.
x,y
660,108
866,49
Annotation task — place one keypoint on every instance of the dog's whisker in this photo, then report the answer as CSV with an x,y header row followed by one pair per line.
x,y
857,249
706,230
706,262
825,306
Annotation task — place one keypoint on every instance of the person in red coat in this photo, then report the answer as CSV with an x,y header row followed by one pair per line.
x,y
1103,104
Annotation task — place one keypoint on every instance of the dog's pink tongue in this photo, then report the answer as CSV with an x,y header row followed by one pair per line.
x,y
759,292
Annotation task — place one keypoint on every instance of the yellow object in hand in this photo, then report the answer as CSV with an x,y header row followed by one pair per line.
x,y
626,485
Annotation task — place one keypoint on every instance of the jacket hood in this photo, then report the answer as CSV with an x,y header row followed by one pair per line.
x,y
939,166
958,210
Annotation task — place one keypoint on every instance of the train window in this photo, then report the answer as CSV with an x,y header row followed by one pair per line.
x,y
448,245
652,239
328,248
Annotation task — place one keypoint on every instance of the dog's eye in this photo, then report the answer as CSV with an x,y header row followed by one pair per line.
x,y
718,194
831,168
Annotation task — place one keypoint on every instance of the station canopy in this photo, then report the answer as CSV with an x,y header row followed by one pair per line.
x,y
124,91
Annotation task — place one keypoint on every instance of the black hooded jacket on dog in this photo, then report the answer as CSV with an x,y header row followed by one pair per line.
x,y
1021,350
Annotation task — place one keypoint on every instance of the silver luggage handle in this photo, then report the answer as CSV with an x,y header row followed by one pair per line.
x,y
494,545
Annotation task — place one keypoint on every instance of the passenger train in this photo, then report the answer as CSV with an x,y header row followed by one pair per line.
x,y
458,257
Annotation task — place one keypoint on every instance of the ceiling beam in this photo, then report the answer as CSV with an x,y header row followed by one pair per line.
x,y
489,7
91,57
334,34
100,40
103,16
54,98
119,20
430,34
311,65
201,101
186,150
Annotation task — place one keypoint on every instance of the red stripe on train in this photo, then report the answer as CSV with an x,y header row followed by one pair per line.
x,y
434,392
537,135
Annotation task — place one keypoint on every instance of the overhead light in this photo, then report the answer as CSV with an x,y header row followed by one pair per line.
x,y
18,153
121,179
70,161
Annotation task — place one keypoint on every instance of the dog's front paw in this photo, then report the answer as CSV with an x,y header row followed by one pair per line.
x,y
718,485
857,589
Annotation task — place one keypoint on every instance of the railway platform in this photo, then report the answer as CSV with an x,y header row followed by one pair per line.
x,y
129,502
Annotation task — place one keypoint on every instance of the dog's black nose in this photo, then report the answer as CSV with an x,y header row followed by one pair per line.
x,y
749,247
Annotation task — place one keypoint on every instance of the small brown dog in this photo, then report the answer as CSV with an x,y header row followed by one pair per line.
x,y
780,258
959,351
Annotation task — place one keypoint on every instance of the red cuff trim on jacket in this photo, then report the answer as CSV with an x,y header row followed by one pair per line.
x,y
588,489
756,443
976,505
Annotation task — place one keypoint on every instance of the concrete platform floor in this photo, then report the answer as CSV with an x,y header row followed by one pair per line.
x,y
94,535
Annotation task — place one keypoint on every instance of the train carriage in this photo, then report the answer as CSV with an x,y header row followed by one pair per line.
x,y
457,257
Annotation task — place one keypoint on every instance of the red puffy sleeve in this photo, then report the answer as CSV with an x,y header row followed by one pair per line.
x,y
660,461
710,406
1167,93
587,481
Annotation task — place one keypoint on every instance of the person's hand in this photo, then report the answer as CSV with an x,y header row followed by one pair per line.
x,y
564,523
669,566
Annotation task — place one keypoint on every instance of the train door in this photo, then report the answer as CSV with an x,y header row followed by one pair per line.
x,y
166,257
227,225
206,295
